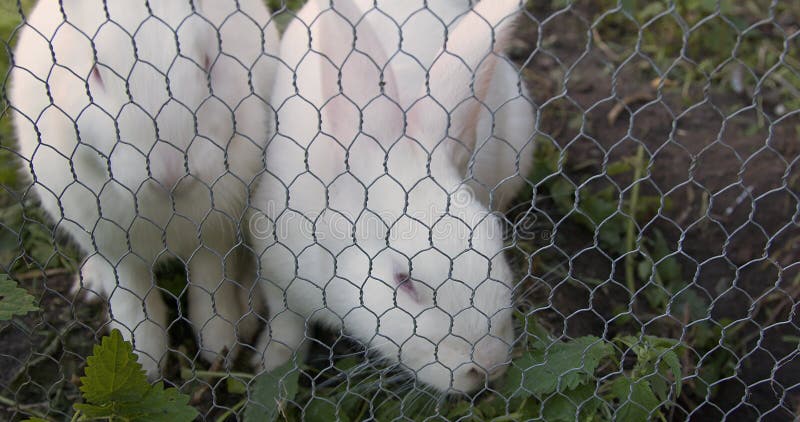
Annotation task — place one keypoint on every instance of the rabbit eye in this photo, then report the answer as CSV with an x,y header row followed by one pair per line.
x,y
405,284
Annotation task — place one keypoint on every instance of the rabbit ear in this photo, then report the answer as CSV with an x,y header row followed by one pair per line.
x,y
358,84
461,76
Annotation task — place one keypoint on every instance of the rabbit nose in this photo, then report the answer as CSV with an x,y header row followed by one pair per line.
x,y
493,373
475,372
497,371
166,166
480,375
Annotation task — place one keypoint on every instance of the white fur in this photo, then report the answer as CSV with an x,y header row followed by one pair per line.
x,y
336,227
144,162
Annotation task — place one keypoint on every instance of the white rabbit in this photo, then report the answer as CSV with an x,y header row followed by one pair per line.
x,y
366,223
143,124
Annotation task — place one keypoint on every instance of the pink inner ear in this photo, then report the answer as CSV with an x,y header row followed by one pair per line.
x,y
97,77
405,284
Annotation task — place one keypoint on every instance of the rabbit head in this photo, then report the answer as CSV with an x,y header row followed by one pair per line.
x,y
414,263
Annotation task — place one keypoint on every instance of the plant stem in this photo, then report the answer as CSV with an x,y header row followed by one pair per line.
x,y
188,374
361,412
11,403
75,416
631,228
232,410
509,418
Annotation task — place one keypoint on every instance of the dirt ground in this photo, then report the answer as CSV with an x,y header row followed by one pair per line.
x,y
42,355
730,213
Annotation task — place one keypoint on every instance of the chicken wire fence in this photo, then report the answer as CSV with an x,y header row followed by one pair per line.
x,y
438,210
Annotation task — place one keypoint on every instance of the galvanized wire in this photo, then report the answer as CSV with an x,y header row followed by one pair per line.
x,y
663,200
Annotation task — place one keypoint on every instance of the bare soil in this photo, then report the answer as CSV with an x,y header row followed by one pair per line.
x,y
728,169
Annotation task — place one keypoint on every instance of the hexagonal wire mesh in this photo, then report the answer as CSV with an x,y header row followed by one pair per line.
x,y
554,210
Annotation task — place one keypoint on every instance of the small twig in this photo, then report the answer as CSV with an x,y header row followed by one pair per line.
x,y
630,230
645,95
22,408
34,274
187,373
361,412
603,46
509,418
793,294
685,355
48,351
690,196
197,396
704,204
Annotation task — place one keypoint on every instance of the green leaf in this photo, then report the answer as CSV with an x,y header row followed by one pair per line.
x,y
546,158
668,269
689,301
598,205
649,11
270,390
538,336
619,167
629,6
113,373
562,366
161,405
320,410
157,405
671,360
512,387
566,406
562,193
116,388
14,300
236,386
636,398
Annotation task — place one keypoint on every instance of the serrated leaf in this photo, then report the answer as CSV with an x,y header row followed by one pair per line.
x,y
512,386
160,405
269,391
565,407
650,350
538,336
637,402
116,388
668,268
92,412
463,408
14,300
670,358
562,366
113,373
619,167
157,405
320,410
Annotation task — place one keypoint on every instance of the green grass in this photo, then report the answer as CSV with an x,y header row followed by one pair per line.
x,y
697,44
26,238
